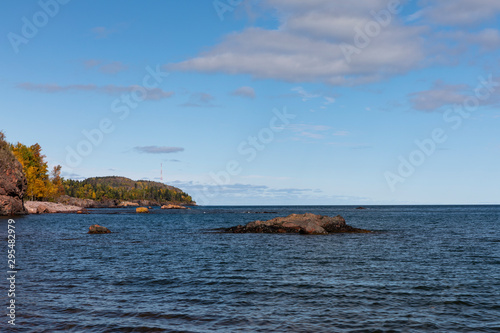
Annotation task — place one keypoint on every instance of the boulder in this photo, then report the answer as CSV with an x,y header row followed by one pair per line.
x,y
141,210
43,209
308,223
360,207
97,229
172,206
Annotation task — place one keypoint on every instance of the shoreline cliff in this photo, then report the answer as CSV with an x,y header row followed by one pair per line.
x,y
13,183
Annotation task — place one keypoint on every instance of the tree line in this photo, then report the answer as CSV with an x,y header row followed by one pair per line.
x,y
99,189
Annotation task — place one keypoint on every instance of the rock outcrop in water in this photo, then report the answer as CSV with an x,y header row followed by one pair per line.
x,y
308,223
13,183
97,229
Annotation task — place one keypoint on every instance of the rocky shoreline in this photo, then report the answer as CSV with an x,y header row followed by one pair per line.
x,y
74,205
42,207
114,203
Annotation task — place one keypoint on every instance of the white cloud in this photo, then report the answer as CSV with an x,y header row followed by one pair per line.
x,y
351,145
308,131
109,68
328,100
304,94
90,63
306,46
199,99
102,32
151,94
442,94
113,67
460,12
439,95
244,92
158,149
241,190
487,39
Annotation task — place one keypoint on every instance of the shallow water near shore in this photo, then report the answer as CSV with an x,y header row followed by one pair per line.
x,y
425,269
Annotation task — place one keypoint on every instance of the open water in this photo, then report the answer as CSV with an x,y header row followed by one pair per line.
x,y
424,269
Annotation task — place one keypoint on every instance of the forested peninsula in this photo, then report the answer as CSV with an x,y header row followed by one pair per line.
x,y
25,176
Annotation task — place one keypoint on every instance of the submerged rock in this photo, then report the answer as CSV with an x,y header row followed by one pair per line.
x,y
360,207
308,223
97,229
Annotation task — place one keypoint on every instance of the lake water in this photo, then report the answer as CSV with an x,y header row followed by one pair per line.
x,y
425,269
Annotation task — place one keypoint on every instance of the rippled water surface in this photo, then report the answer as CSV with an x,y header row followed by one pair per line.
x,y
425,269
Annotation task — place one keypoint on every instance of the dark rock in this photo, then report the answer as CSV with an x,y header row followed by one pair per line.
x,y
97,229
360,208
13,183
298,223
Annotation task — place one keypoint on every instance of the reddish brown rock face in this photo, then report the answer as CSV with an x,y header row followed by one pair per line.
x,y
309,224
13,184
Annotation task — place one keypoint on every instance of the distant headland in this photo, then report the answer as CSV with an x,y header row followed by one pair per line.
x,y
24,177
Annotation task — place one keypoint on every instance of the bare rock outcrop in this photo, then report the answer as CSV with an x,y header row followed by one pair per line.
x,y
308,223
13,183
42,207
173,206
128,204
97,229
85,203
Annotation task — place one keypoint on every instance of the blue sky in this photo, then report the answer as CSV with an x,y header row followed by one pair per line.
x,y
262,102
